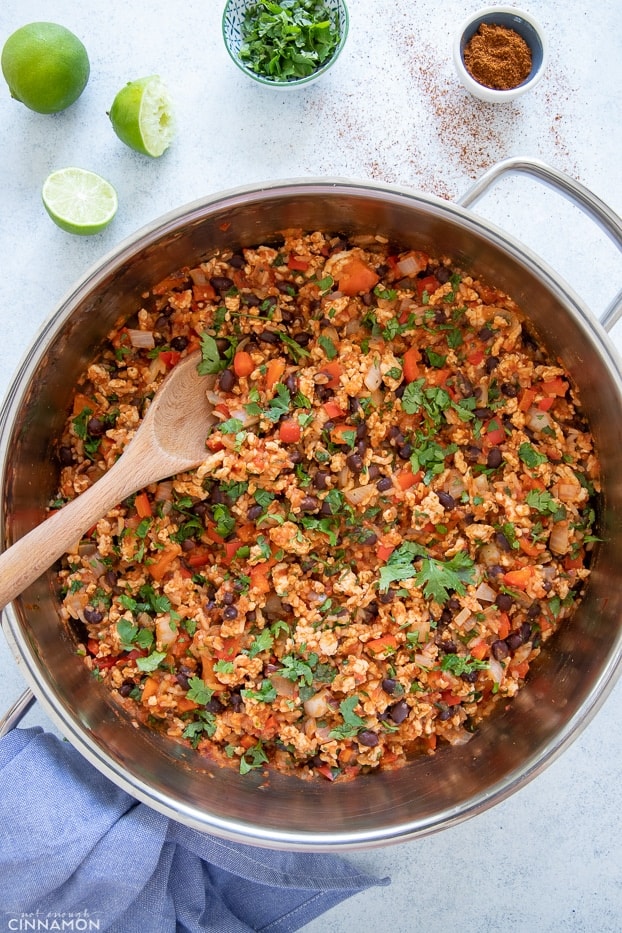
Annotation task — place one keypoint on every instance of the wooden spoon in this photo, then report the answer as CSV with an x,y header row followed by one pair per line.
x,y
171,439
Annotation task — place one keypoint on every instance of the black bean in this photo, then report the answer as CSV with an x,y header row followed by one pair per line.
x,y
404,451
399,711
354,462
214,706
494,458
222,283
464,384
237,261
483,413
269,336
472,453
95,427
303,338
295,456
502,542
525,632
309,504
230,613
504,602
291,383
446,617
443,274
453,603
361,446
179,343
534,611
370,611
227,380
354,407
319,479
383,484
500,649
514,641
368,738
126,688
93,615
469,677
228,599
188,545
399,392
200,509
369,537
491,363
509,389
323,393
236,702
386,598
495,571
444,714
287,288
222,344
161,323
395,434
373,471
250,300
388,685
485,333
254,512
65,455
446,500
111,578
449,646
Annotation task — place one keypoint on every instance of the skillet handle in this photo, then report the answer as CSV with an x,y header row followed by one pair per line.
x,y
19,709
574,191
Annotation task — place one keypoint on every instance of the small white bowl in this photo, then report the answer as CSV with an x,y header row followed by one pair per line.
x,y
232,21
526,27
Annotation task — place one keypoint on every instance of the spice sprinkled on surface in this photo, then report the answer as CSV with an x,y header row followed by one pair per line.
x,y
498,57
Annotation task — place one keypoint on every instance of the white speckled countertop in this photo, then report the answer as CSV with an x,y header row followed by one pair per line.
x,y
549,859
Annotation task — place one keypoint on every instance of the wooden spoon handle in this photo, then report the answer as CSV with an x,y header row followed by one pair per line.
x,y
31,555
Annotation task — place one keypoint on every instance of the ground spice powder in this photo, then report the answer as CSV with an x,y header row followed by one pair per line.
x,y
497,57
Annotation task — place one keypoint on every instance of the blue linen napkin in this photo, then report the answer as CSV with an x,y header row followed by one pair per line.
x,y
78,853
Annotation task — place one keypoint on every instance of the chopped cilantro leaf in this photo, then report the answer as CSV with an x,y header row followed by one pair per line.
x,y
352,722
198,691
530,456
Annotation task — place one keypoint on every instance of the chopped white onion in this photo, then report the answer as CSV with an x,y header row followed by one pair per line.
x,y
538,420
559,539
317,705
485,593
198,276
359,494
164,491
497,671
411,264
142,339
373,377
463,616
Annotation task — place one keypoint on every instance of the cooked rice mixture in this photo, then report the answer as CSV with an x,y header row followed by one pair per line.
x,y
394,513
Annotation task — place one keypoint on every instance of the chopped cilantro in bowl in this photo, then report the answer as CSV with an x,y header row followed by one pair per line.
x,y
288,44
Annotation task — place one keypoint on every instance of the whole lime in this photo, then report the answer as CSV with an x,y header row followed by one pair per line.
x,y
45,66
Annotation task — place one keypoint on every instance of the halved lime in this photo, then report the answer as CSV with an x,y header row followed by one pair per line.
x,y
79,201
46,66
141,116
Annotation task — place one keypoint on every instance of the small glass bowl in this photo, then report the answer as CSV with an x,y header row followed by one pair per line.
x,y
526,27
232,20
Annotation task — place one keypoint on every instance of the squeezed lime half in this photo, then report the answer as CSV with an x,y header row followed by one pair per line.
x,y
142,116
